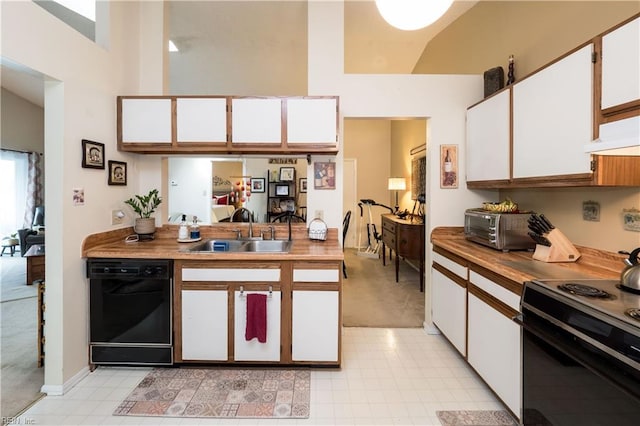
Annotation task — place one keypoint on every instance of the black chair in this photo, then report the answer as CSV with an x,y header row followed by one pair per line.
x,y
288,217
345,228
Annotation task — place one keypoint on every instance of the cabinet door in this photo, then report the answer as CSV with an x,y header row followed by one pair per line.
x,y
256,120
146,120
201,120
621,65
494,351
488,137
315,325
552,118
312,121
253,350
204,325
449,309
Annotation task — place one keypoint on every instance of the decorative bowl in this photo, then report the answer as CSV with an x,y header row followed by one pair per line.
x,y
500,207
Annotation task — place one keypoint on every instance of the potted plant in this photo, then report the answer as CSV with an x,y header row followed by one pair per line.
x,y
144,206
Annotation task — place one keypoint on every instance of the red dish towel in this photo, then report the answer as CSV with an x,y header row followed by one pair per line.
x,y
256,317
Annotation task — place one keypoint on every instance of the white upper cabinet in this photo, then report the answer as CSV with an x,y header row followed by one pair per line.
x,y
621,65
201,119
256,120
488,137
552,118
146,120
312,121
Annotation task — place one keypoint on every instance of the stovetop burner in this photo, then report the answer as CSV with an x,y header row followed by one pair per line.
x,y
633,313
594,295
584,290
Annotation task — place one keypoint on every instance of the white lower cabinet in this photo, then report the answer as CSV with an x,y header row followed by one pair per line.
x,y
204,325
449,309
253,350
494,351
449,301
315,325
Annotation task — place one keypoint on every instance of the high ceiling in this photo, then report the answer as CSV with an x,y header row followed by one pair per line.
x,y
263,43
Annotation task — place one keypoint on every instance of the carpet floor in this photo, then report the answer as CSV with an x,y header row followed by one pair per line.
x,y
372,298
220,393
20,376
475,418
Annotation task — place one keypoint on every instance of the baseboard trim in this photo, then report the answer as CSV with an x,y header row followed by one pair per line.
x,y
431,329
58,390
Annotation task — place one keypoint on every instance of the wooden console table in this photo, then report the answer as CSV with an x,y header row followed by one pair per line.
x,y
406,238
35,263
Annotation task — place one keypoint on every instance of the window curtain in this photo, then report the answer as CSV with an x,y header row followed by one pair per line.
x,y
14,168
34,192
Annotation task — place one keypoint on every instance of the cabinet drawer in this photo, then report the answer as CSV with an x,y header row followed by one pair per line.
x,y
389,238
507,297
449,264
388,225
230,274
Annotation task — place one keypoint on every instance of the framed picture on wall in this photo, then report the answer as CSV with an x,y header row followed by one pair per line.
x,y
324,175
303,184
92,154
257,184
117,173
448,166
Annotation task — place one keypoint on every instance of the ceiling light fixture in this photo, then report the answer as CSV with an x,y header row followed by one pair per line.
x,y
412,15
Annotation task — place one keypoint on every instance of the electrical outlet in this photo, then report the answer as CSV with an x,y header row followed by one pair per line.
x,y
319,214
117,217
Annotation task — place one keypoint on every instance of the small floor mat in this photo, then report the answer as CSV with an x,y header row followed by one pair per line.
x,y
475,418
221,393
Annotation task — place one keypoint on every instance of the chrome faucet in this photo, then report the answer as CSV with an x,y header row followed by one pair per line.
x,y
244,209
269,229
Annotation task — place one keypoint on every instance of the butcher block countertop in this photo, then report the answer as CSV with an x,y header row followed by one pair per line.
x,y
519,266
111,244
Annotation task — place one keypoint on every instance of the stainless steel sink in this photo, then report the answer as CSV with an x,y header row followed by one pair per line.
x,y
269,246
235,246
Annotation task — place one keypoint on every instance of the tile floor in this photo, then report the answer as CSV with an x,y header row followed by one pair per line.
x,y
389,377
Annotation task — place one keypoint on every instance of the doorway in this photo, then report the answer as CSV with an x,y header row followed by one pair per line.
x,y
374,150
23,116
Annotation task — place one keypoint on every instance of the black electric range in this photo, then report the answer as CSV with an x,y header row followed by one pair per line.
x,y
581,353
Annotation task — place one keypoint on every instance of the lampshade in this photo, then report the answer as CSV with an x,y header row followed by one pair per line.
x,y
412,15
397,183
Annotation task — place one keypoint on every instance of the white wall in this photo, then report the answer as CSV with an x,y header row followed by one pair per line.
x,y
190,185
22,123
442,99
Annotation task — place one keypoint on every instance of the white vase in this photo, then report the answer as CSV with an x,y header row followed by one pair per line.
x,y
145,225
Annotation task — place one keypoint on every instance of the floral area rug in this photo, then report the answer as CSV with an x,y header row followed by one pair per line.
x,y
475,418
220,392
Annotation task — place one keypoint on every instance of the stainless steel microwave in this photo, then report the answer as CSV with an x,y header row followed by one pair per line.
x,y
501,231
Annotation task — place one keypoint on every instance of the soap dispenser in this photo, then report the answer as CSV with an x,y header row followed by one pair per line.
x,y
194,230
183,231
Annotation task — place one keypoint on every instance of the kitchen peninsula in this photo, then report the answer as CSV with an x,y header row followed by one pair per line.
x,y
303,289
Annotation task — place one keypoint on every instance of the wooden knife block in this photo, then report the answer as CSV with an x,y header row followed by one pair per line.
x,y
561,249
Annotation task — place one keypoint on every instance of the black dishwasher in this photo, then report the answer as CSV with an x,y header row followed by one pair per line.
x,y
130,305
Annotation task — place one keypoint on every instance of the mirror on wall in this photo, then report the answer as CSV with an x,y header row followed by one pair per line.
x,y
212,188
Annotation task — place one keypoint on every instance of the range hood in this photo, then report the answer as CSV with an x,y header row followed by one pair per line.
x,y
620,137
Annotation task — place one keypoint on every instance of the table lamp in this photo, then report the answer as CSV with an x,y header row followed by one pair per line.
x,y
397,184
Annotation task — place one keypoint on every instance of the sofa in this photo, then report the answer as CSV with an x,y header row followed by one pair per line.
x,y
34,235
